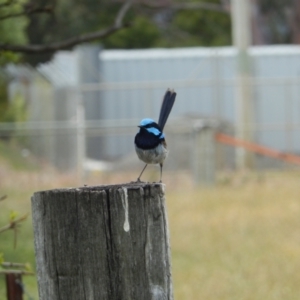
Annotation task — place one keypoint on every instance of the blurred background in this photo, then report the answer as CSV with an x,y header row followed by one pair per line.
x,y
77,78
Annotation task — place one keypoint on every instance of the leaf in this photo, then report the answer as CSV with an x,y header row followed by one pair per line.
x,y
12,216
27,267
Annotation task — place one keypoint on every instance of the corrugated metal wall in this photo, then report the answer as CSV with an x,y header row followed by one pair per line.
x,y
133,82
119,88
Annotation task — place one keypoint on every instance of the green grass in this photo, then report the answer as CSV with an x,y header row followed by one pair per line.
x,y
239,240
11,154
19,178
18,200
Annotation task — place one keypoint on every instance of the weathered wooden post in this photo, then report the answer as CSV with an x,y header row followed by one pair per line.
x,y
104,242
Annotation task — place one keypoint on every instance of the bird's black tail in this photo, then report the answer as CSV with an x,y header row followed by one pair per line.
x,y
166,108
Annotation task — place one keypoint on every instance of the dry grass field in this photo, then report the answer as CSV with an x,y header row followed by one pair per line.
x,y
237,240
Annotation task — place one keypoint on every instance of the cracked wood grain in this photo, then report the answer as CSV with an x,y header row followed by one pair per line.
x,y
104,242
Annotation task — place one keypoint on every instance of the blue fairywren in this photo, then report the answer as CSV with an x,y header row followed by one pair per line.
x,y
150,144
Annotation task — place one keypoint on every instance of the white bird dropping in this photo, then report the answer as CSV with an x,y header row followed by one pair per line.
x,y
125,206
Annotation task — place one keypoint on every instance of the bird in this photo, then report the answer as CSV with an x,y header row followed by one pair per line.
x,y
150,143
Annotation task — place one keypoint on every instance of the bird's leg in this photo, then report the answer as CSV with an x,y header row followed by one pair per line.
x,y
139,180
161,166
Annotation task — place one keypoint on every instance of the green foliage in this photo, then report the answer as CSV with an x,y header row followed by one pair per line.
x,y
69,19
15,110
165,27
202,28
12,30
13,215
182,28
28,267
3,99
9,57
278,16
16,257
143,34
12,111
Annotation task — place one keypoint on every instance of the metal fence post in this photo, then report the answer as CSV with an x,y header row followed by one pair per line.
x,y
203,157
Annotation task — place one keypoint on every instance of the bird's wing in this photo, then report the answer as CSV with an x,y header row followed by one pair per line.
x,y
166,107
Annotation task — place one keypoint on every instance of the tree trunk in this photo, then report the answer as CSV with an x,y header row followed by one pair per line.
x,y
104,242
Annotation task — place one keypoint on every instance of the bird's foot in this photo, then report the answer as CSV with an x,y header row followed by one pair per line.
x,y
139,181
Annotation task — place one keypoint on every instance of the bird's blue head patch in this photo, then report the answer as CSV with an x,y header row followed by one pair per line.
x,y
146,122
152,127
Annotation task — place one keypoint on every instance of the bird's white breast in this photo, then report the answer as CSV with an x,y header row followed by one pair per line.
x,y
152,156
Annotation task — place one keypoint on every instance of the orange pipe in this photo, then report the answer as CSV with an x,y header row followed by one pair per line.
x,y
253,147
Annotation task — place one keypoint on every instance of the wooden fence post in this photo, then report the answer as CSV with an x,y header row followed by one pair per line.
x,y
103,242
14,289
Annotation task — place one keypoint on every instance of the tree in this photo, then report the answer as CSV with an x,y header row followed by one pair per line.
x,y
45,26
11,32
40,40
203,27
55,25
276,22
